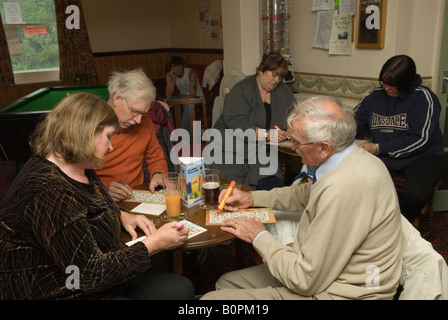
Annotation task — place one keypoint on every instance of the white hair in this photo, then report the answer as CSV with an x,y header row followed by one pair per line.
x,y
324,125
131,84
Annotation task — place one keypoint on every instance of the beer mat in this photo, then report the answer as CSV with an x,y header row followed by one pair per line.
x,y
266,215
147,197
195,230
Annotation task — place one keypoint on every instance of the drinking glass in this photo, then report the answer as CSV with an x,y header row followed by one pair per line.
x,y
211,188
171,189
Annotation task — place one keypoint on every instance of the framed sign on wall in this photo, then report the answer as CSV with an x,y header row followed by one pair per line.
x,y
371,24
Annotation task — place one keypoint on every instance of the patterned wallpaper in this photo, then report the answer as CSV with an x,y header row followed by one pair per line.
x,y
338,86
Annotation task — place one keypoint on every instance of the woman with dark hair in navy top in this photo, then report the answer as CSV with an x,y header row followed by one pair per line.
x,y
401,118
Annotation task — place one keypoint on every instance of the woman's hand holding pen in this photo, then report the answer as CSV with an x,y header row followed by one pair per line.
x,y
279,135
168,237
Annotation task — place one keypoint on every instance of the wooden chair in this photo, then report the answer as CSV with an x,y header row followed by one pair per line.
x,y
427,213
191,102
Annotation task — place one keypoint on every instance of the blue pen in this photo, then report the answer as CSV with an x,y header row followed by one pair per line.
x,y
122,183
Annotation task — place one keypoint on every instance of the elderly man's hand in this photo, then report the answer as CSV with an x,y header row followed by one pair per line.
x,y
237,200
243,228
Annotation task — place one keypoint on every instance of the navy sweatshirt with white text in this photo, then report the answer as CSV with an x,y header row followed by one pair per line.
x,y
406,128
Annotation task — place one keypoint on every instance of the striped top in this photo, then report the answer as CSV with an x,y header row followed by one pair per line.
x,y
51,225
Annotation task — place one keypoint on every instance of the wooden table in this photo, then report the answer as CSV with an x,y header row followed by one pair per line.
x,y
286,156
285,147
214,235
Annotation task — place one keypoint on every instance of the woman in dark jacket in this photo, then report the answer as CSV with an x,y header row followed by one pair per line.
x,y
252,110
402,118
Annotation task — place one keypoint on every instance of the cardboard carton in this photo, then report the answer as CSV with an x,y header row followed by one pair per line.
x,y
192,172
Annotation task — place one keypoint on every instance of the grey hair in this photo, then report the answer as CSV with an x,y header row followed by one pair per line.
x,y
324,125
131,84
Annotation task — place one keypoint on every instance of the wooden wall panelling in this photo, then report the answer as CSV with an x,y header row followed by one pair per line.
x,y
151,61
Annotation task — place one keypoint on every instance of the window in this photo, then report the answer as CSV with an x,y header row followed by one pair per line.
x,y
30,27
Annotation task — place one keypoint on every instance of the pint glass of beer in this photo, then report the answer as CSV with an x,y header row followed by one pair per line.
x,y
211,188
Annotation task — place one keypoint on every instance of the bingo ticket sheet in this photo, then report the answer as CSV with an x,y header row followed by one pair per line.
x,y
264,214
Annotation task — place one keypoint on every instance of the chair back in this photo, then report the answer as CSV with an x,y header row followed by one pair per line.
x,y
231,78
163,125
176,105
228,81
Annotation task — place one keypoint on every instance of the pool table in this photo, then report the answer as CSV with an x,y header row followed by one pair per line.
x,y
19,118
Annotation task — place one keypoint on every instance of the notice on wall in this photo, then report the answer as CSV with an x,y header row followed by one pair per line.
x,y
341,35
348,7
323,5
210,24
13,13
36,30
322,29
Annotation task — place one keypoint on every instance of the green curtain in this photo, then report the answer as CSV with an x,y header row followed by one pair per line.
x,y
75,53
6,72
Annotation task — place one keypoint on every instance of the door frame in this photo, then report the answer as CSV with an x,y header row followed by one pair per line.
x,y
441,196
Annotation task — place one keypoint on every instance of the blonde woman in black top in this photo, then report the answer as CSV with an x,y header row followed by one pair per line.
x,y
60,229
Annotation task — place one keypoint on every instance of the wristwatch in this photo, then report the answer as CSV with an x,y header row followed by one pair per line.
x,y
377,149
157,172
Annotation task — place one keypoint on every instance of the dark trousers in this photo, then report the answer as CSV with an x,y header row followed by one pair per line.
x,y
421,177
154,285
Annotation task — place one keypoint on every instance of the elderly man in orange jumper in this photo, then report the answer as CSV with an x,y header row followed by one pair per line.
x,y
130,95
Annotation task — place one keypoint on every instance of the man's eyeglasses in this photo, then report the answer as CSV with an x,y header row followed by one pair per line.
x,y
133,111
297,145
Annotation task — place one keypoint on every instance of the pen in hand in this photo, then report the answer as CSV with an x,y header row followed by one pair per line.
x,y
179,225
276,127
227,194
122,183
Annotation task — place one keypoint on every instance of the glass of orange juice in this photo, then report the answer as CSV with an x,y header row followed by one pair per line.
x,y
171,189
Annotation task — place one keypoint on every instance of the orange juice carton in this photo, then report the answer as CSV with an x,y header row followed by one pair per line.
x,y
192,172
